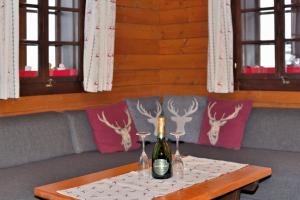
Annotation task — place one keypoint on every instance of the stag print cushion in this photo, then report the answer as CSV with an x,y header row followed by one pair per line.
x,y
224,122
113,128
184,114
145,112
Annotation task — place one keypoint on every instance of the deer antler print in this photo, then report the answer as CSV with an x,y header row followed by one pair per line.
x,y
151,119
215,124
181,120
124,131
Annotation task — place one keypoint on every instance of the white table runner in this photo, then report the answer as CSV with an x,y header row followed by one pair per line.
x,y
131,186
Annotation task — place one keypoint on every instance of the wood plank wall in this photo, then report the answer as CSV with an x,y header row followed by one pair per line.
x,y
136,64
184,38
161,49
183,46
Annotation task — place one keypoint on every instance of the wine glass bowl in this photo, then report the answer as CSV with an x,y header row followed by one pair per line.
x,y
177,163
143,164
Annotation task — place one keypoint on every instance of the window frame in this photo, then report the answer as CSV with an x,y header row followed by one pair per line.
x,y
280,80
43,83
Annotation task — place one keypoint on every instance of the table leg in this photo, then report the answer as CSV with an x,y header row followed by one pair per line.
x,y
235,195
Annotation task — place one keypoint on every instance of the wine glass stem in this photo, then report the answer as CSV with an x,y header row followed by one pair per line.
x,y
143,142
177,146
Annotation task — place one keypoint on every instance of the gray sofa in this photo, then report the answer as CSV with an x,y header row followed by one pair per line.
x,y
42,148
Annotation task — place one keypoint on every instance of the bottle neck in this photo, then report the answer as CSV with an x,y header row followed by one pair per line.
x,y
161,136
161,128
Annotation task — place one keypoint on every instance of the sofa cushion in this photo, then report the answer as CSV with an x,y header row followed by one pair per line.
x,y
273,128
17,183
284,183
33,137
81,132
144,112
113,128
224,122
184,114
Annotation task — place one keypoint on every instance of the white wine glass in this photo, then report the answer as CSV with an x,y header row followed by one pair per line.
x,y
143,164
177,163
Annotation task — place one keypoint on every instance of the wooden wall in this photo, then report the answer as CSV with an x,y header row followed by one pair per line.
x,y
161,49
183,25
183,46
136,64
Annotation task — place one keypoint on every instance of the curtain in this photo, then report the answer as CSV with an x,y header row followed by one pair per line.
x,y
295,29
99,45
220,47
9,49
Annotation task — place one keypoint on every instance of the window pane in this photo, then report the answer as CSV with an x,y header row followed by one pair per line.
x,y
69,3
258,25
29,24
63,60
52,27
65,3
51,2
32,2
66,29
290,2
267,27
258,58
292,23
249,4
292,57
28,61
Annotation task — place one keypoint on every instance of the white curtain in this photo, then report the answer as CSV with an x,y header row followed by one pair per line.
x,y
99,36
9,49
220,47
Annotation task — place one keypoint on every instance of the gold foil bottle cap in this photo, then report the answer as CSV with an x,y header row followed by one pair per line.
x,y
161,126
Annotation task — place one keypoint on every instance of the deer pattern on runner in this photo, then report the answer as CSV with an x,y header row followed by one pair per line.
x,y
216,124
152,119
181,120
124,131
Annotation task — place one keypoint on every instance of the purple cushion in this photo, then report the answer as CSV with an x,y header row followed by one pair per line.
x,y
224,122
113,128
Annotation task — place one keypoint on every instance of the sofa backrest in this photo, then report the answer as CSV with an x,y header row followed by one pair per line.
x,y
33,137
273,128
81,132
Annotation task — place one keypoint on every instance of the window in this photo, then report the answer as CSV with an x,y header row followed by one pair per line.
x,y
51,46
267,44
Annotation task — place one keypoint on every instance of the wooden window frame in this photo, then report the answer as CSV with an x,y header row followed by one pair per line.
x,y
280,80
40,85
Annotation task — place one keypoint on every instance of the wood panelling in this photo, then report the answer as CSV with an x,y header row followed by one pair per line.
x,y
137,16
184,35
187,30
161,49
136,71
180,4
183,46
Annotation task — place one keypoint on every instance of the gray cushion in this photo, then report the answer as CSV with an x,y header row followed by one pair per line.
x,y
284,183
81,132
17,183
277,129
191,123
145,115
33,137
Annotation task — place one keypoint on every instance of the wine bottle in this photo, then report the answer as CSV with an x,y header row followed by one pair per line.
x,y
161,154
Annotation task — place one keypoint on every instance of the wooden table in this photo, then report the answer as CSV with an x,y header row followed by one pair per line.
x,y
225,187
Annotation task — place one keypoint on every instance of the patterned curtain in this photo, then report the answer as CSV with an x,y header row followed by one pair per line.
x,y
220,48
99,45
9,49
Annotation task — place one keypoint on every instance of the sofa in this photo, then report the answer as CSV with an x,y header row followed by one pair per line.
x,y
43,148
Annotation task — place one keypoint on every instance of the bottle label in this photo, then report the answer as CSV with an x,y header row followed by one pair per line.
x,y
160,166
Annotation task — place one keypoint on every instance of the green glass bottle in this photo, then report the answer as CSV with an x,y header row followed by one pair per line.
x,y
161,154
